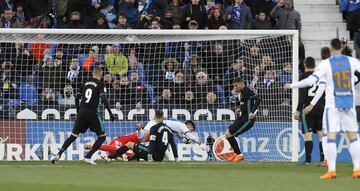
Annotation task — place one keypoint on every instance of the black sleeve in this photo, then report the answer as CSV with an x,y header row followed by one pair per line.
x,y
257,100
302,94
251,95
152,139
173,145
104,99
78,97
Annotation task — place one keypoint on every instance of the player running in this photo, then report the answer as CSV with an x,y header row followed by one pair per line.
x,y
160,138
312,121
136,137
88,114
248,102
340,114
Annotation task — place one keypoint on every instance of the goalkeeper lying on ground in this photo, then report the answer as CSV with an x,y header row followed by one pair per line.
x,y
182,130
136,137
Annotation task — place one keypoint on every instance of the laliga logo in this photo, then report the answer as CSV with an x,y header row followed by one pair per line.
x,y
283,143
2,140
222,149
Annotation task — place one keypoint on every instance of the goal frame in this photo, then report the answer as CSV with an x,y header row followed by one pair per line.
x,y
48,36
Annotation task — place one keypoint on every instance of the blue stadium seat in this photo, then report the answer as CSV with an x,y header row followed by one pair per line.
x,y
28,93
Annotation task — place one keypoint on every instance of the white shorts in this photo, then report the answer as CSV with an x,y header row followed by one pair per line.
x,y
335,120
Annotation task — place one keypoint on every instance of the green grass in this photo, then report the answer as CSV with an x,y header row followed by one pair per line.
x,y
141,176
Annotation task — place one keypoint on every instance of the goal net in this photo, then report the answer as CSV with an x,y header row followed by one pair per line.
x,y
187,74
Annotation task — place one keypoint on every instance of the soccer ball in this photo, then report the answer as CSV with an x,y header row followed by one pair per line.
x,y
222,149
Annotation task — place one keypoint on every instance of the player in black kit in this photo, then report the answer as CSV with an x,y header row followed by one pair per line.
x,y
311,122
248,102
160,137
88,114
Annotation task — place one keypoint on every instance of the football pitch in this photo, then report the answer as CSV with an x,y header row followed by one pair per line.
x,y
170,176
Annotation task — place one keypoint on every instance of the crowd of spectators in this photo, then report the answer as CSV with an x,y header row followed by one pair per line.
x,y
153,14
149,74
135,77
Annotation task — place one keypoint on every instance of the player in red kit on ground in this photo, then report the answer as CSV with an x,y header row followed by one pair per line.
x,y
136,137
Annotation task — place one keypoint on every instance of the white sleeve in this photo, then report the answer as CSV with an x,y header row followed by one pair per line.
x,y
191,137
309,81
319,73
184,130
319,92
356,65
181,127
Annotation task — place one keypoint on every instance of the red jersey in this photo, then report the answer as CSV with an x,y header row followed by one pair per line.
x,y
122,140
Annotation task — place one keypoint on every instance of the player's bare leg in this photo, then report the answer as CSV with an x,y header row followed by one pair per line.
x,y
96,146
355,153
63,148
331,154
234,144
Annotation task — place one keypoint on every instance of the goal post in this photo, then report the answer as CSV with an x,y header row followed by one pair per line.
x,y
186,73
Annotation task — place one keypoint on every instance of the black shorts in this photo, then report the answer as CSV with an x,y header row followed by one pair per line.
x,y
311,123
240,126
87,119
141,151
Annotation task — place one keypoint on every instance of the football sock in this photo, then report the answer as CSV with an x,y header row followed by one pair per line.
x,y
95,147
355,153
324,144
308,151
66,144
119,152
331,154
234,144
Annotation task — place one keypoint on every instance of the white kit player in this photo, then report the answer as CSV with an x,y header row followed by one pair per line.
x,y
338,72
183,130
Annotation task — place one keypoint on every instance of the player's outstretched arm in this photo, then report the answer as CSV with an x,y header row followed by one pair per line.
x,y
107,106
192,137
309,81
257,101
319,73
